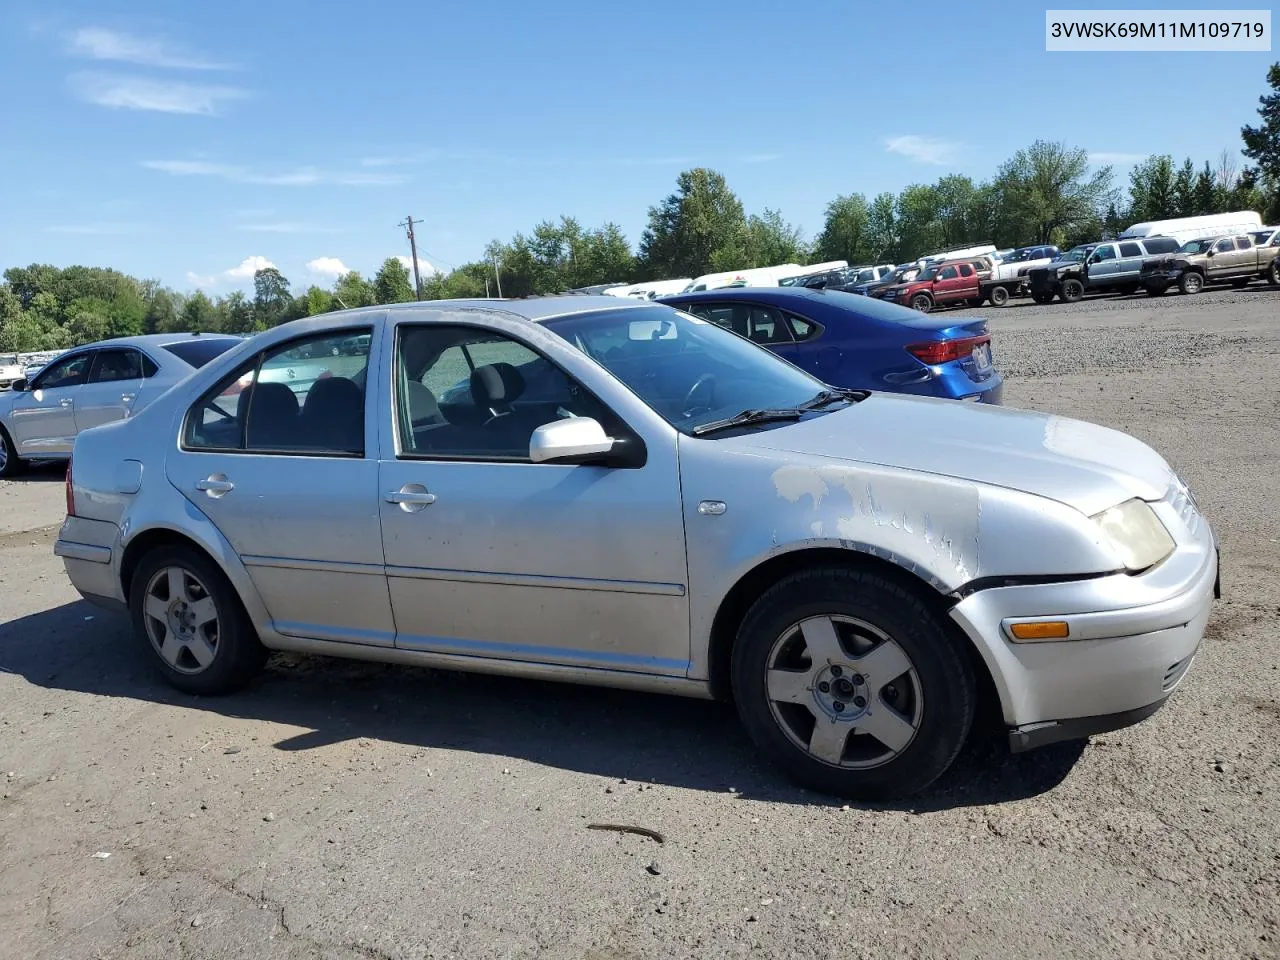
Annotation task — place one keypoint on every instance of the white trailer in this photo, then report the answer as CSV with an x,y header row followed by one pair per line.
x,y
1185,229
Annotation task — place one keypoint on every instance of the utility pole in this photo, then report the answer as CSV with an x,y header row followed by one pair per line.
x,y
497,276
413,252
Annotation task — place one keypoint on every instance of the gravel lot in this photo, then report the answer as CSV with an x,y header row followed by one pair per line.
x,y
343,810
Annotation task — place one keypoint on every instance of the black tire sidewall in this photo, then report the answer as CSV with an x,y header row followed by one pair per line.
x,y
999,297
944,673
1072,291
239,654
12,464
921,303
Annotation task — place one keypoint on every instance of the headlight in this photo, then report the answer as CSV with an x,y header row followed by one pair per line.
x,y
1135,533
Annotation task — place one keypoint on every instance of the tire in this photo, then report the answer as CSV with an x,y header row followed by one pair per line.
x,y
1190,282
10,464
923,702
1156,290
1274,273
228,641
999,296
1072,290
922,302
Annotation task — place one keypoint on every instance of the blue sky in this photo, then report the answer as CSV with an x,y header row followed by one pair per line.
x,y
186,141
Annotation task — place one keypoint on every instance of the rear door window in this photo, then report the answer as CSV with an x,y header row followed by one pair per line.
x,y
1244,243
112,365
1130,250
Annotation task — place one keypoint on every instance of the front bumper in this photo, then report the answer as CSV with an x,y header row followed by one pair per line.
x,y
1133,638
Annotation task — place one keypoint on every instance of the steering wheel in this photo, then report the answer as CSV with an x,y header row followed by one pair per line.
x,y
695,401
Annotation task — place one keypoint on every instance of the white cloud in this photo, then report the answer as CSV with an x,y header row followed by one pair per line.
x,y
285,227
1102,158
296,177
328,266
424,269
923,149
93,229
241,272
99,43
247,268
142,93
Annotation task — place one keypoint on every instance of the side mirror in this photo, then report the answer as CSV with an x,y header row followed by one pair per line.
x,y
18,385
1210,252
569,440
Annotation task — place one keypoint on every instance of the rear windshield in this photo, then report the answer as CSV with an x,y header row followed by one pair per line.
x,y
198,351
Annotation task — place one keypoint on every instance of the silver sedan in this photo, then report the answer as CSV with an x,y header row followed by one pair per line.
x,y
92,385
613,492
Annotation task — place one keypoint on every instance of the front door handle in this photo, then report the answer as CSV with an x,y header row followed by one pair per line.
x,y
215,486
411,498
65,402
128,397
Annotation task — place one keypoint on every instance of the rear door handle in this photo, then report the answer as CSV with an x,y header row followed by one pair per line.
x,y
128,397
411,498
215,486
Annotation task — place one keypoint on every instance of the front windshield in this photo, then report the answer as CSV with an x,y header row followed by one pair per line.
x,y
690,371
1195,246
927,274
865,276
1077,254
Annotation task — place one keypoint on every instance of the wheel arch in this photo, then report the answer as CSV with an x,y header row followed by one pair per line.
x,y
214,548
748,588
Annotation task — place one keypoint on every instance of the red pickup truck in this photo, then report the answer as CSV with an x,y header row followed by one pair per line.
x,y
943,283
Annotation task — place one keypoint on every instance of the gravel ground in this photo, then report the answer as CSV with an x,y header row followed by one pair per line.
x,y
342,810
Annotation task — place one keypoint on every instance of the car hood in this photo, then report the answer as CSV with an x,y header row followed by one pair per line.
x,y
1083,465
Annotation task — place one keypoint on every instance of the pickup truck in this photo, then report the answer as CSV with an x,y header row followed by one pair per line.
x,y
939,285
1009,278
1233,259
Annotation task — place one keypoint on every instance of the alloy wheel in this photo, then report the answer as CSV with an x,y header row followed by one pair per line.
x,y
844,691
181,619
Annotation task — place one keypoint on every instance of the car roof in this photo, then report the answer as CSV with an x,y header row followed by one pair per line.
x,y
536,309
155,340
781,295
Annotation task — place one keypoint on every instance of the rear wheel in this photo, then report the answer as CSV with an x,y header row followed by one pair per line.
x,y
10,464
188,613
999,296
850,684
1274,273
1191,282
922,302
1072,290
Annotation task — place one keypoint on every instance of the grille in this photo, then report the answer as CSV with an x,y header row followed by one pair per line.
x,y
1176,672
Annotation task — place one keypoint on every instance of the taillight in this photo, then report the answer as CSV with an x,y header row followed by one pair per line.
x,y
71,493
944,351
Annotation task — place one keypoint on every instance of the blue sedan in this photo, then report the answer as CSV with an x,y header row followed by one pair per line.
x,y
852,341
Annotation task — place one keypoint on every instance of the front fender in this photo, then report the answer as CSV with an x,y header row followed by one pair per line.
x,y
946,532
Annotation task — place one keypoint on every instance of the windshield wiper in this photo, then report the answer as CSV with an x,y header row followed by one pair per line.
x,y
830,396
748,417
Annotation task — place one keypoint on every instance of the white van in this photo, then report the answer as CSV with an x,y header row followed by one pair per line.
x,y
756,277
983,250
1185,229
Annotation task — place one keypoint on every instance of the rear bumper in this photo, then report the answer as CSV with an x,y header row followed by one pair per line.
x,y
1133,639
88,549
1163,277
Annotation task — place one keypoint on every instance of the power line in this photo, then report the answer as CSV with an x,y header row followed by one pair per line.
x,y
413,252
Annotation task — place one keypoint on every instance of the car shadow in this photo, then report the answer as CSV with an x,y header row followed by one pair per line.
x,y
675,741
41,471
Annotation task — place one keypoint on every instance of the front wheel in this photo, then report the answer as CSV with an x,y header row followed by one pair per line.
x,y
1274,273
922,302
10,464
849,683
185,609
1072,290
1191,282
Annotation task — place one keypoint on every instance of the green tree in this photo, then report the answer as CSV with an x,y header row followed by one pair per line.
x,y
1152,191
771,241
391,284
236,313
164,312
845,231
919,232
605,257
1262,143
1051,192
26,331
317,301
352,290
199,314
883,241
89,322
1184,190
1204,195
271,297
700,227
